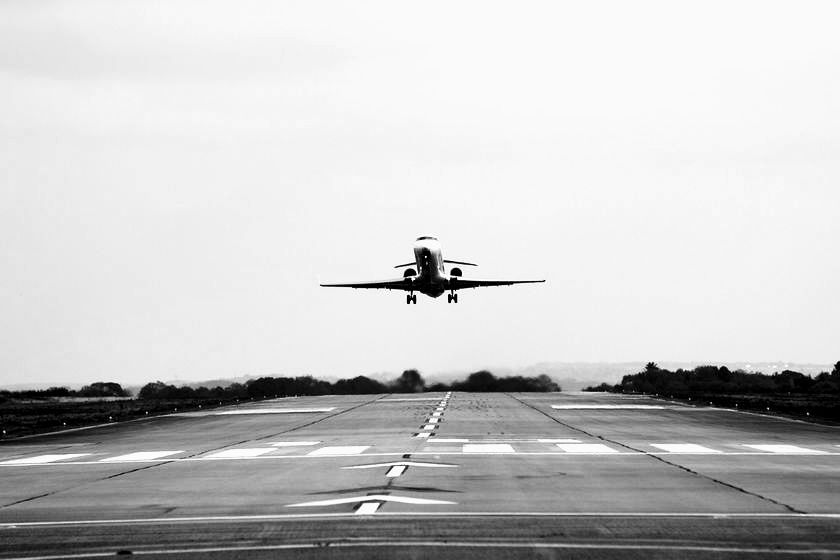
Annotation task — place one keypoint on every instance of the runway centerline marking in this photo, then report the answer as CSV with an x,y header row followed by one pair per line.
x,y
140,456
42,459
240,453
339,450
293,443
585,448
487,448
684,448
273,411
790,449
368,508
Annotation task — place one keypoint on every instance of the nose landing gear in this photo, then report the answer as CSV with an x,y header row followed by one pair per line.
x,y
411,298
452,298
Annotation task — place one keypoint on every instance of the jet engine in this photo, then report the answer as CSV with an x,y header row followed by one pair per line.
x,y
409,272
456,272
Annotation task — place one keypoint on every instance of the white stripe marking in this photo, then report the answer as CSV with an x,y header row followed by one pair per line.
x,y
684,448
368,508
558,440
435,414
395,471
339,450
41,459
293,443
487,448
585,448
240,453
422,435
429,427
448,440
433,420
786,449
141,456
606,407
378,497
274,411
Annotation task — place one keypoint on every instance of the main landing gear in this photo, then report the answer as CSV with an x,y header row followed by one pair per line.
x,y
452,298
411,298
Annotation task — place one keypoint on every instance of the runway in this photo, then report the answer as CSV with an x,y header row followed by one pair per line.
x,y
538,475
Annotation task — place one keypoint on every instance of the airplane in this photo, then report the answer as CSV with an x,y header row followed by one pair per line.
x,y
430,276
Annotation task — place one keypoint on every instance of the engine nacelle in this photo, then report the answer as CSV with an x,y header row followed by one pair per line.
x,y
409,272
456,272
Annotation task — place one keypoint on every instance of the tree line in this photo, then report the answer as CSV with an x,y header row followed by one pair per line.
x,y
410,381
722,380
94,390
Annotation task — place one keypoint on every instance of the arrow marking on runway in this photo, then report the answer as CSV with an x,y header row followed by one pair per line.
x,y
401,464
373,498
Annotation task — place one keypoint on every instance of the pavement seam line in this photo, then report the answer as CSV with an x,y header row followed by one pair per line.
x,y
662,460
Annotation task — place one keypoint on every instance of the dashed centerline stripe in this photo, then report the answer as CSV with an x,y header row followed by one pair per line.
x,y
395,471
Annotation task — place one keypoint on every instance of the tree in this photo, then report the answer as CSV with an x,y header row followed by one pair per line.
x,y
409,382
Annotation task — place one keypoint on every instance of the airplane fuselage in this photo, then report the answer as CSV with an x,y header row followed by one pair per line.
x,y
431,278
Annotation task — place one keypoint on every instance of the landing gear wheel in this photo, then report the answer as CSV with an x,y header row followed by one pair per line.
x,y
411,298
452,298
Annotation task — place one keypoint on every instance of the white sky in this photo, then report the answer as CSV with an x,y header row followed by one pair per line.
x,y
175,178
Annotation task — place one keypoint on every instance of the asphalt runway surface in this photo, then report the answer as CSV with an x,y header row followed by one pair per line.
x,y
461,475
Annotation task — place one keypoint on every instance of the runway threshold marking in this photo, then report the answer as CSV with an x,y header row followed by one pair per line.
x,y
599,448
41,459
684,448
140,456
240,453
339,450
786,449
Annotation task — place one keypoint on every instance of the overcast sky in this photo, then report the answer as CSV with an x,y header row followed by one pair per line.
x,y
176,177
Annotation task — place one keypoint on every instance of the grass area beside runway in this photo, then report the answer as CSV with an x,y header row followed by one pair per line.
x,y
20,417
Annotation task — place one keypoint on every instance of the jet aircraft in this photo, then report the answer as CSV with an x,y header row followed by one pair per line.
x,y
427,275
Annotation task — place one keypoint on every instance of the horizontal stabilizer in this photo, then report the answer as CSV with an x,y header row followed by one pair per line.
x,y
406,264
459,262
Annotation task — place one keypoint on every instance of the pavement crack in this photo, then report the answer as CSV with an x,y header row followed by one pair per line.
x,y
662,460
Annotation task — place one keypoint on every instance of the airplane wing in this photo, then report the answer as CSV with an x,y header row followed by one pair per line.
x,y
464,283
393,284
